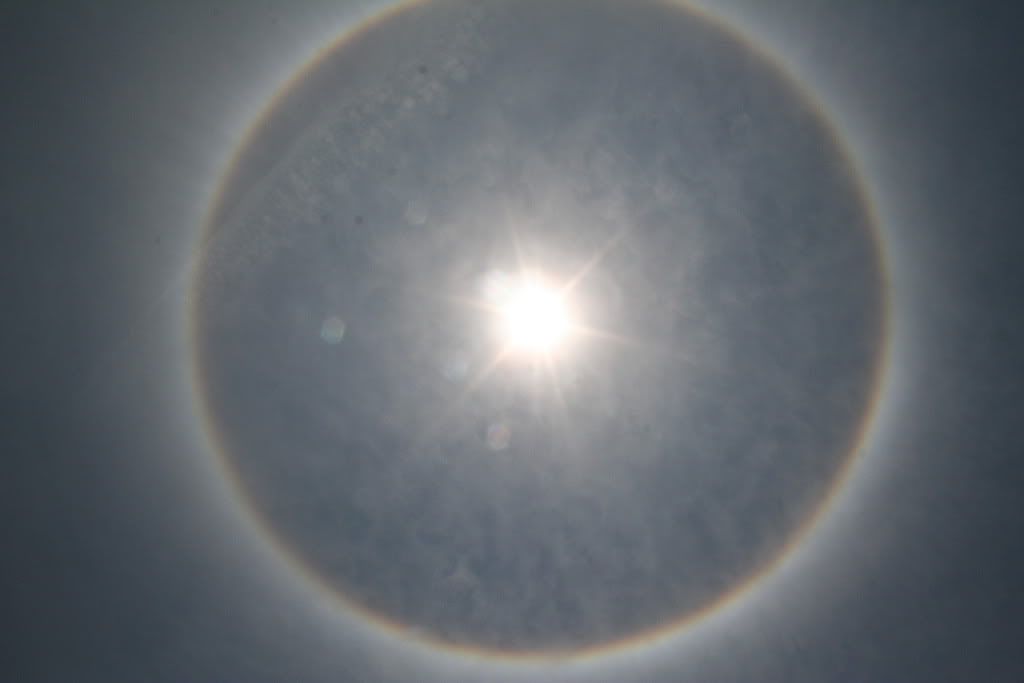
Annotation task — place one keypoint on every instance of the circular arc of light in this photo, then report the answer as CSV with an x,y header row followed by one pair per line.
x,y
646,637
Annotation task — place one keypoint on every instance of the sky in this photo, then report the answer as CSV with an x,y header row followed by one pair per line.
x,y
265,422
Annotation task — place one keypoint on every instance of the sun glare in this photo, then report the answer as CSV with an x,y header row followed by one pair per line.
x,y
533,316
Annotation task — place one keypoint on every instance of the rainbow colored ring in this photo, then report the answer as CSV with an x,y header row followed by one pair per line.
x,y
647,637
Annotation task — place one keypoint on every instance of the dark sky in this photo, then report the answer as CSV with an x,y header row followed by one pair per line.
x,y
125,557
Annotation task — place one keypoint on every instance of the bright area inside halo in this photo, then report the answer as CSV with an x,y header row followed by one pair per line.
x,y
534,317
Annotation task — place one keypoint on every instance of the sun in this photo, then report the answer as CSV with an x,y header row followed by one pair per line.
x,y
534,317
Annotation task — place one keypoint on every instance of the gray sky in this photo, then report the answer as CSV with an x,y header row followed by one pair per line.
x,y
622,484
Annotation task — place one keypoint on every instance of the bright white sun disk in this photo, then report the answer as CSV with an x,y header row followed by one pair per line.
x,y
534,316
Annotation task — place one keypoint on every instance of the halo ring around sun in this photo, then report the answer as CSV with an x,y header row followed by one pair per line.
x,y
533,317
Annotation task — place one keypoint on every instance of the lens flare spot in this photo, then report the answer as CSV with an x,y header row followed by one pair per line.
x,y
499,436
333,330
